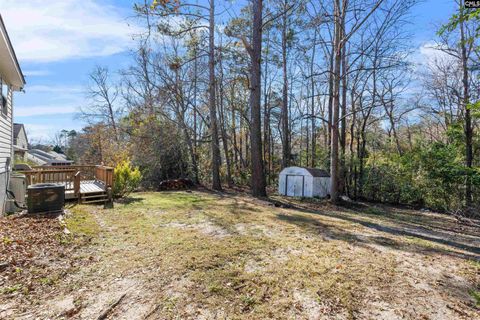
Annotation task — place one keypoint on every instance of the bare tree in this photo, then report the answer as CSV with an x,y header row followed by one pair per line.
x,y
103,95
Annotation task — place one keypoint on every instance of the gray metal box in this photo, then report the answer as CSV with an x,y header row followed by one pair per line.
x,y
45,197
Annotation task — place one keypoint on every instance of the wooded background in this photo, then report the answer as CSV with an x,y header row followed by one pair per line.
x,y
229,93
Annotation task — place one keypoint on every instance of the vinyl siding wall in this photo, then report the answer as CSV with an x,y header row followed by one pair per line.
x,y
21,140
3,195
6,134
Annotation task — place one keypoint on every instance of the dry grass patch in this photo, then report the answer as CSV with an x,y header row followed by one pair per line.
x,y
198,255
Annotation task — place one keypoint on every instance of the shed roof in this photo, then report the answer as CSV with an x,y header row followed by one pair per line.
x,y
315,172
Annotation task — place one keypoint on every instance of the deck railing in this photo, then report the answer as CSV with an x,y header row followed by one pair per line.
x,y
87,172
105,175
70,176
62,176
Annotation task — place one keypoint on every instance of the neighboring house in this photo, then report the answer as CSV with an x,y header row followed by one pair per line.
x,y
11,79
20,141
36,156
47,158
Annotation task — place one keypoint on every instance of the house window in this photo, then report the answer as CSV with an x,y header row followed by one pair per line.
x,y
4,94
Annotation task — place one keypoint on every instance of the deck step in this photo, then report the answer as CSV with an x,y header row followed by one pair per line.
x,y
91,198
94,201
103,195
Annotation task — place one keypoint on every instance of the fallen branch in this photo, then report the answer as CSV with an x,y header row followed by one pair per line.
x,y
152,312
467,216
111,307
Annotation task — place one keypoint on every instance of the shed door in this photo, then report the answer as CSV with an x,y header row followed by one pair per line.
x,y
294,186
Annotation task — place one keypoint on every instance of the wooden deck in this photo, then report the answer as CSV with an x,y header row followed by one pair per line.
x,y
88,187
87,183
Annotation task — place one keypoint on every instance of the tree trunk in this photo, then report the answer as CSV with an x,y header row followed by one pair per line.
x,y
394,130
468,118
195,71
352,140
216,184
223,130
312,102
343,132
112,121
334,159
266,116
330,100
258,183
234,128
285,114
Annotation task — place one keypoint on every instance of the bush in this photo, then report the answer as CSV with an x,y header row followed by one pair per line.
x,y
431,176
127,179
157,146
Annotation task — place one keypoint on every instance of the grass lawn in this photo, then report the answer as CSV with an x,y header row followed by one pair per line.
x,y
199,255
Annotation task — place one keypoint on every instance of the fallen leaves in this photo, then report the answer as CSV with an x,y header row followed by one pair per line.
x,y
34,254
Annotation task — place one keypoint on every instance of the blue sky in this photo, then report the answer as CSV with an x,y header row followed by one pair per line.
x,y
58,42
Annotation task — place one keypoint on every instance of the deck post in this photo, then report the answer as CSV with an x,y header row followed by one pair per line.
x,y
109,199
76,183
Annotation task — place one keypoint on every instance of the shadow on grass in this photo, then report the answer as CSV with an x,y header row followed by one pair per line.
x,y
312,225
398,228
239,207
129,200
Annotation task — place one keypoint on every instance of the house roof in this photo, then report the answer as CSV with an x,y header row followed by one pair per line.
x,y
17,148
16,129
315,172
9,67
38,156
36,159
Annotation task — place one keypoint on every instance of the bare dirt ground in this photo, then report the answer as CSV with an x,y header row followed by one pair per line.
x,y
199,255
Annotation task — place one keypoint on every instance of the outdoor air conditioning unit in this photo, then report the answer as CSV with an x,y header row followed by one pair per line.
x,y
18,186
45,198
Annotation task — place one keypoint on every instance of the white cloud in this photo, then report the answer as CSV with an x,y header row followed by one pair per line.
x,y
36,73
56,89
38,110
39,132
46,31
428,53
43,133
49,100
431,51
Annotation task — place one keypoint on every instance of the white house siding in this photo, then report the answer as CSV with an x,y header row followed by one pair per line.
x,y
20,143
21,140
6,134
3,194
6,150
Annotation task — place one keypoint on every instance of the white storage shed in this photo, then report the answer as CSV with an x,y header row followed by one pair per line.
x,y
304,182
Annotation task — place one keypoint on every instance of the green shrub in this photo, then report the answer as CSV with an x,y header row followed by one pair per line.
x,y
127,179
431,175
